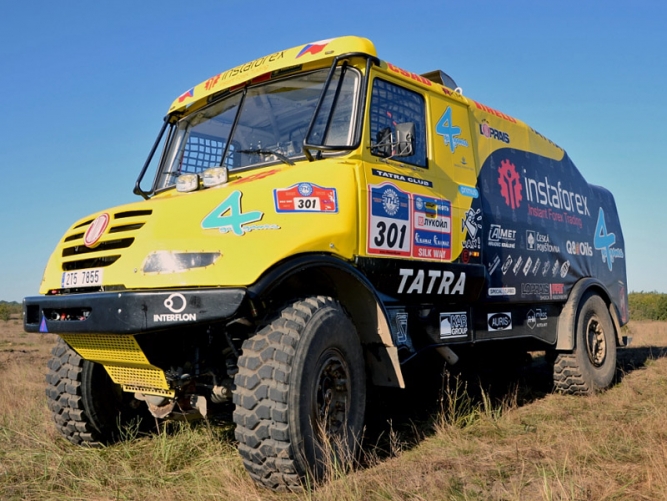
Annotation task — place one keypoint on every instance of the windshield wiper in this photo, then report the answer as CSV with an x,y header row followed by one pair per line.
x,y
259,151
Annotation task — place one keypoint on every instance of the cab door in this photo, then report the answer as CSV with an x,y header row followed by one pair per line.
x,y
407,215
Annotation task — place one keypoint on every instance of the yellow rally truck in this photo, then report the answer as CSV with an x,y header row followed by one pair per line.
x,y
317,217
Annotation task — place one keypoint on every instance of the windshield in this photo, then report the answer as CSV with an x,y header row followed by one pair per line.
x,y
267,123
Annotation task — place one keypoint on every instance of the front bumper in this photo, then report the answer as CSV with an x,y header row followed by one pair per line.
x,y
129,312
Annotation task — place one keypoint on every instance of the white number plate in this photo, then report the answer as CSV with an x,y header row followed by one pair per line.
x,y
82,278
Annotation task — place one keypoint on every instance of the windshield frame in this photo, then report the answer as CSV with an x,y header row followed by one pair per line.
x,y
355,121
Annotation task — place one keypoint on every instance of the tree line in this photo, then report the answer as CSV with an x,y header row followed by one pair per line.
x,y
647,306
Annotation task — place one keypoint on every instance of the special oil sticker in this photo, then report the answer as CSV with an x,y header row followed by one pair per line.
x,y
306,197
432,218
389,222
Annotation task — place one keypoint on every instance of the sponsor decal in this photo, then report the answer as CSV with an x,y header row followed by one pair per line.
x,y
501,237
536,268
228,217
240,70
175,317
313,48
604,242
407,74
544,193
449,132
510,184
496,113
499,321
502,291
557,291
401,327
175,303
545,268
432,228
527,266
541,290
256,177
389,225
468,191
489,132
493,265
536,241
565,267
578,248
430,282
402,178
471,222
555,268
555,196
517,265
453,324
306,197
536,318
96,229
545,138
507,264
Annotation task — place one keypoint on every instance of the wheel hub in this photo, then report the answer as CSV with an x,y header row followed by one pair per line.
x,y
596,344
332,393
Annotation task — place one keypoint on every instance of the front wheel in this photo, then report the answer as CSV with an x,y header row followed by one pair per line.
x,y
590,368
300,395
86,405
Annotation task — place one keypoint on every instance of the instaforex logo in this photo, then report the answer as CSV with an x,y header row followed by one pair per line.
x,y
553,195
510,184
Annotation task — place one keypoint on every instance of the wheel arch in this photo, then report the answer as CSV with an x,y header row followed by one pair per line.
x,y
323,274
568,316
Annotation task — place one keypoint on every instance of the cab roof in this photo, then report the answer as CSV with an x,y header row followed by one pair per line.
x,y
271,65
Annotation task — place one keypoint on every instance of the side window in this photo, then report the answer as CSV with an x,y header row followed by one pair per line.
x,y
390,105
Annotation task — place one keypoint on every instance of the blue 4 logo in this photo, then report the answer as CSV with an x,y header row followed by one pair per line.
x,y
604,242
228,216
446,128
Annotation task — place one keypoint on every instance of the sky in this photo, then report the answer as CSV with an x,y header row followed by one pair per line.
x,y
84,87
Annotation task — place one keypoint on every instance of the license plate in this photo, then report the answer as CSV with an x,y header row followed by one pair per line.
x,y
82,278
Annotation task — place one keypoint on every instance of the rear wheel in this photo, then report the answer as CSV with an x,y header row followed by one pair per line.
x,y
300,395
590,368
87,406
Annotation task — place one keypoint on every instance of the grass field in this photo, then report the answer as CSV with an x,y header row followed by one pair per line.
x,y
501,435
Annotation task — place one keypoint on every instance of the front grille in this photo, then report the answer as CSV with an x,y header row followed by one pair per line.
x,y
77,250
121,235
84,264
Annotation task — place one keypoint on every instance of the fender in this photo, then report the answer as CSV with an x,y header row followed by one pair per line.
x,y
568,317
315,274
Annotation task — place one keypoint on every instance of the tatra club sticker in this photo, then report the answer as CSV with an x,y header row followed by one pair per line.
x,y
96,230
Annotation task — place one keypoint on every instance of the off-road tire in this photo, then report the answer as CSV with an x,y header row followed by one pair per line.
x,y
591,366
284,370
87,406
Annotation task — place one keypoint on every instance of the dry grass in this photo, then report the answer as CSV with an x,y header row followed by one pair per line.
x,y
506,438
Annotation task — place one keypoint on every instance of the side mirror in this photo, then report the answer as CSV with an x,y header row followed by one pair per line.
x,y
405,139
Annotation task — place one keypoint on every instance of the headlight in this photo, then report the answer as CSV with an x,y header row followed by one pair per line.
x,y
187,182
173,262
214,176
